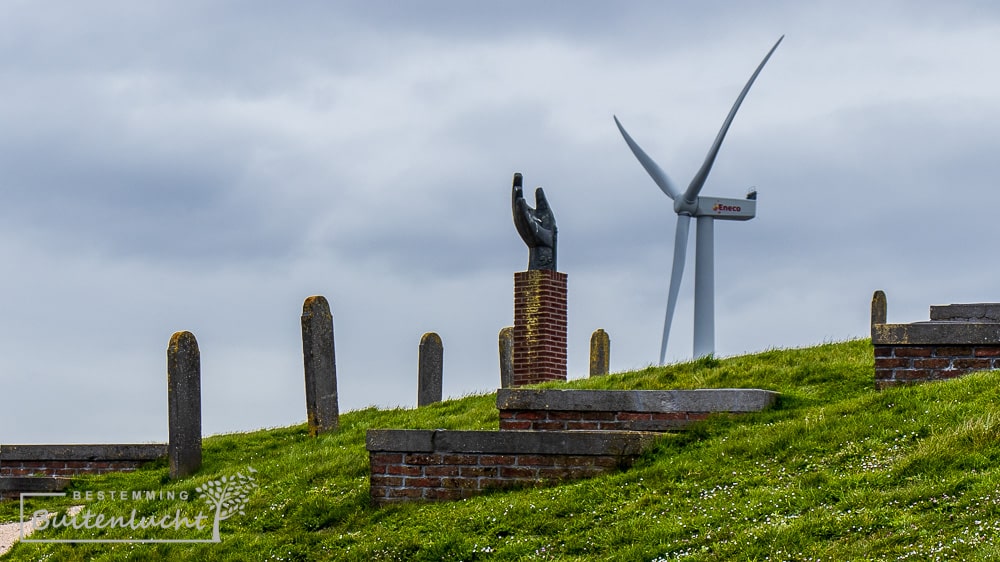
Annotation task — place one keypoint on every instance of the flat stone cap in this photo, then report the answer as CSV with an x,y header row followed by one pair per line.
x,y
984,312
937,333
659,401
126,452
19,484
510,442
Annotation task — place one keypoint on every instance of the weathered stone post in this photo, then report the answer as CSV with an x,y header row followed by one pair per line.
x,y
322,411
600,353
429,369
879,312
539,326
506,356
184,404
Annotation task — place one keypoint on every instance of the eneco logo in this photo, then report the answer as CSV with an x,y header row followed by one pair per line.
x,y
720,208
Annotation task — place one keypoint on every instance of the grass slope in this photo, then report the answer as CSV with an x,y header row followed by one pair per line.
x,y
837,471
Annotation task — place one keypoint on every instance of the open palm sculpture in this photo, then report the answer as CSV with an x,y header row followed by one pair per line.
x,y
707,210
537,226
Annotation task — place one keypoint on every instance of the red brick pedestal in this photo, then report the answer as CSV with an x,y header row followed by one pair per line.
x,y
539,327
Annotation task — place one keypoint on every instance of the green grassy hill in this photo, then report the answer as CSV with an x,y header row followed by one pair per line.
x,y
837,471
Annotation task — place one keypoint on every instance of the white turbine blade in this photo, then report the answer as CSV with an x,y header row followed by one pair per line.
x,y
658,175
680,251
699,179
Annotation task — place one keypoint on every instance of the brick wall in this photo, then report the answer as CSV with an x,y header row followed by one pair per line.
x,y
401,477
415,465
911,364
539,353
58,462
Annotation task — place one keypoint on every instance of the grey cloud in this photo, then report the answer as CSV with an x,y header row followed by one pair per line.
x,y
207,166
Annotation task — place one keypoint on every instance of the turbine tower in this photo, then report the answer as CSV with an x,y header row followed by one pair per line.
x,y
707,210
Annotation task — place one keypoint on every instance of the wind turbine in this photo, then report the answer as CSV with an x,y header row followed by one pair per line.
x,y
707,210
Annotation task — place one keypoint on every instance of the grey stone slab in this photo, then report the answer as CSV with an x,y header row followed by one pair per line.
x,y
184,404
976,312
320,362
104,452
18,484
408,440
511,442
701,400
430,369
936,333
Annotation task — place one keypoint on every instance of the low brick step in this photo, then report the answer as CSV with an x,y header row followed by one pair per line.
x,y
416,465
622,410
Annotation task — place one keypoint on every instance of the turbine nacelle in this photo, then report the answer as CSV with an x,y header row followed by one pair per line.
x,y
719,208
725,209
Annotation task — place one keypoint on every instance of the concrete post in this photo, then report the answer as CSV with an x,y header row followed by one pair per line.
x,y
184,404
429,369
322,410
506,357
600,353
878,309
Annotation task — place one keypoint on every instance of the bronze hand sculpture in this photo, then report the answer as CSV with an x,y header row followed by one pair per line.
x,y
537,227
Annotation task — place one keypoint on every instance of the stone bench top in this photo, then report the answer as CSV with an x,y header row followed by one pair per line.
x,y
937,332
984,312
510,442
661,401
33,484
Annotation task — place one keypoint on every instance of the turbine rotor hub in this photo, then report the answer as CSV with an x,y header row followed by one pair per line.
x,y
682,207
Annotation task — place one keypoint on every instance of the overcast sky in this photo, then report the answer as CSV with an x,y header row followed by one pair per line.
x,y
206,166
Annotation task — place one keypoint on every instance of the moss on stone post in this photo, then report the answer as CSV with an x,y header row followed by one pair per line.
x,y
430,369
318,355
879,309
600,353
506,338
184,404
